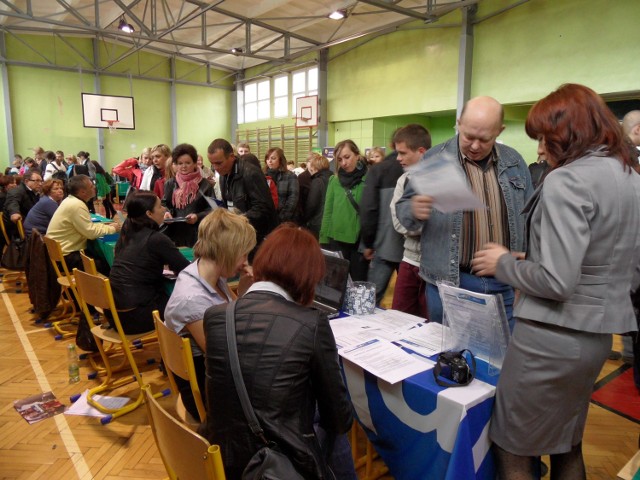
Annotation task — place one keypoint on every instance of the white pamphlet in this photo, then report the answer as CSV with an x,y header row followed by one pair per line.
x,y
425,339
385,360
82,407
441,179
476,322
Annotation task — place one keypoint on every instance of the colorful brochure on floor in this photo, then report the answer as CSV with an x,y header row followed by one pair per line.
x,y
38,407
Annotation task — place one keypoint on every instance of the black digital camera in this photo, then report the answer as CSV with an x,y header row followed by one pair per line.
x,y
453,370
454,367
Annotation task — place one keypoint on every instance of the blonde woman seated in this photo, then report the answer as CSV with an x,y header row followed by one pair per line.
x,y
224,242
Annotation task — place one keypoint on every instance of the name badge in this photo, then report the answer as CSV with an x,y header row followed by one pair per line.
x,y
229,204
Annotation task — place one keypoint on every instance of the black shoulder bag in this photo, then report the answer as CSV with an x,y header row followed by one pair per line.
x,y
352,200
268,463
15,256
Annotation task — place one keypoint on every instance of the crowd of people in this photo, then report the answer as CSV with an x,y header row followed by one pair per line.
x,y
568,241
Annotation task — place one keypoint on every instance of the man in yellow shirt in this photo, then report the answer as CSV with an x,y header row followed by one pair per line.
x,y
71,224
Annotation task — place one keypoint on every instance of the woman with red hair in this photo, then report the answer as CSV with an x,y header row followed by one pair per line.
x,y
574,282
288,360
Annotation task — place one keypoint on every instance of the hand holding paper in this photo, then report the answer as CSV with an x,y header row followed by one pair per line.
x,y
441,181
421,206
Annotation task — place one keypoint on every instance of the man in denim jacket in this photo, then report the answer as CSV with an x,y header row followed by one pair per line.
x,y
498,175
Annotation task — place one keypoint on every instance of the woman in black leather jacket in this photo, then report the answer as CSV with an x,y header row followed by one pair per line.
x,y
288,358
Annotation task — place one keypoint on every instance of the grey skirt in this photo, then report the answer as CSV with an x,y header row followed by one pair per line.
x,y
544,389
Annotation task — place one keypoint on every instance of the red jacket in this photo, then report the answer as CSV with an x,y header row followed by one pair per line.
x,y
130,170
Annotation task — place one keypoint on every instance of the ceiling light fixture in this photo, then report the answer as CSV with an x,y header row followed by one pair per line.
x,y
338,14
124,26
237,50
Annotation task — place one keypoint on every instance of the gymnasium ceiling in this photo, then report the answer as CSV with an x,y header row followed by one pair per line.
x,y
263,31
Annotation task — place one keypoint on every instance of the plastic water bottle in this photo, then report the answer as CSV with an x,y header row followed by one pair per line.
x,y
74,367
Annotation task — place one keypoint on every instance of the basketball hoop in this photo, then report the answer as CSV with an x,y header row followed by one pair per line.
x,y
112,125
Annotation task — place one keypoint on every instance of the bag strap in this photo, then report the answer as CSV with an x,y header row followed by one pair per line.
x,y
236,371
352,200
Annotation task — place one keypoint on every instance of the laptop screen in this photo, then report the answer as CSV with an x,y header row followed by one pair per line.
x,y
331,289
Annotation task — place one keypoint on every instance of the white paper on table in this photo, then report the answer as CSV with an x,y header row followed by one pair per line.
x,y
82,407
385,360
393,322
348,325
441,179
355,338
425,340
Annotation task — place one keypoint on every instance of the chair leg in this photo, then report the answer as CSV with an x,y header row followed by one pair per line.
x,y
16,281
113,350
109,384
369,456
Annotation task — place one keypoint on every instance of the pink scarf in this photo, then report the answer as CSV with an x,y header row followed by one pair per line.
x,y
187,188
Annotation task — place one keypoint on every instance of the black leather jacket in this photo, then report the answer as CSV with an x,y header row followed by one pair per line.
x,y
289,362
246,188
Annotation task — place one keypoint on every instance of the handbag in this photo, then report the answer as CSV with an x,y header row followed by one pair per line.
x,y
268,463
84,338
15,256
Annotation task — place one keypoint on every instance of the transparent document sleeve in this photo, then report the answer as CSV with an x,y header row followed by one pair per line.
x,y
477,322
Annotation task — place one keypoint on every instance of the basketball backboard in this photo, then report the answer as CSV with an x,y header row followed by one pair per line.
x,y
100,110
307,111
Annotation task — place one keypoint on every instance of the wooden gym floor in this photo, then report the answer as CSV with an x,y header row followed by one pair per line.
x,y
75,447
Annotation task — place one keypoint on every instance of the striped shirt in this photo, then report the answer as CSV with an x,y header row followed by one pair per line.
x,y
485,225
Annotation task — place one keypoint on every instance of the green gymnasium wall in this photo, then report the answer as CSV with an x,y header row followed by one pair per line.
x,y
46,110
519,56
46,105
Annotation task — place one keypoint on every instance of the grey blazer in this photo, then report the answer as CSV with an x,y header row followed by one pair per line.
x,y
583,255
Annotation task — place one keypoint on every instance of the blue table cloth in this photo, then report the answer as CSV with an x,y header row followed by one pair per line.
x,y
424,431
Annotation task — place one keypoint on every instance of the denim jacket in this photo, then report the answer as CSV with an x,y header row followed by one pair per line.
x,y
441,233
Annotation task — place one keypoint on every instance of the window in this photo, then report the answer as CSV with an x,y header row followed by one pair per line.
x,y
240,106
257,99
254,101
303,84
280,96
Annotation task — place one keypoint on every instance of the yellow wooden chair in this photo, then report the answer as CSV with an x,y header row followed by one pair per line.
x,y
178,360
15,279
96,291
371,472
113,350
68,325
89,264
185,454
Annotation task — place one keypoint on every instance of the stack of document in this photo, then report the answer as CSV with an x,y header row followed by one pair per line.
x,y
378,343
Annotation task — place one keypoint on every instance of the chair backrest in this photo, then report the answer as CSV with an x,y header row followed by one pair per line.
x,y
54,249
185,453
88,263
178,358
3,229
20,229
95,290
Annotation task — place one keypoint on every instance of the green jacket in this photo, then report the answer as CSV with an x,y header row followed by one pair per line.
x,y
340,221
102,186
